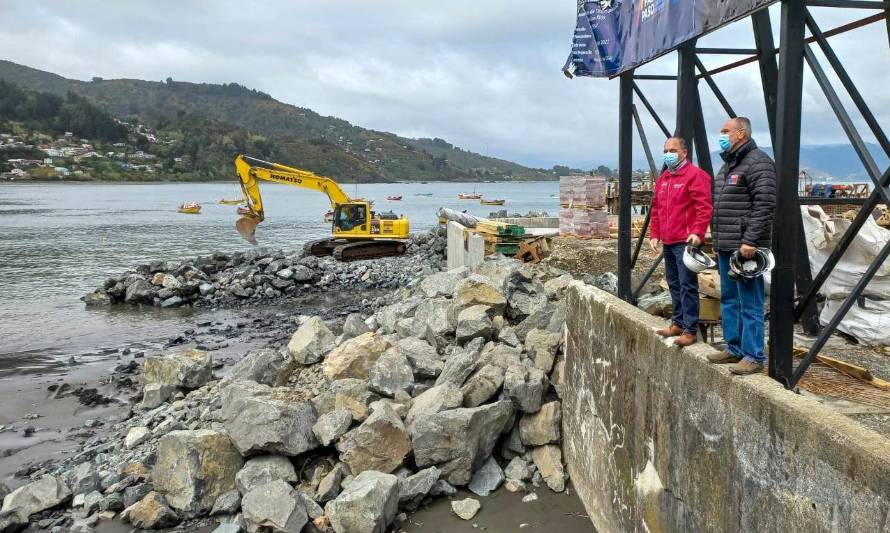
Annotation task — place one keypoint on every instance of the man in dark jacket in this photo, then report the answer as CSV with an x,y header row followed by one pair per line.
x,y
744,204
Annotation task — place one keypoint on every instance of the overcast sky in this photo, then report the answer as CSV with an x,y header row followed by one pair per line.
x,y
483,74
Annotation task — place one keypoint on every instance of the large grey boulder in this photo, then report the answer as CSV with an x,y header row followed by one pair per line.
x,y
472,322
542,346
194,468
266,366
487,479
228,503
45,493
311,342
422,357
140,291
263,419
456,369
483,385
329,486
355,357
151,512
542,427
155,394
82,479
548,459
523,304
10,521
479,290
368,505
442,283
460,440
354,325
434,400
391,373
354,396
275,506
187,369
261,470
500,355
331,426
413,489
526,387
380,443
431,319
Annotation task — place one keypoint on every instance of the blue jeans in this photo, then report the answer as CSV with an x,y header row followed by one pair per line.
x,y
683,284
741,307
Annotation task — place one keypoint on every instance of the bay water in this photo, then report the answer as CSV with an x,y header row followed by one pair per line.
x,y
59,241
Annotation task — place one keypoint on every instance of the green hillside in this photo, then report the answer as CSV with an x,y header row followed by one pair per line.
x,y
296,135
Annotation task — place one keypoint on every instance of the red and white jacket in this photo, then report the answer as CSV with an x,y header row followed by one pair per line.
x,y
681,204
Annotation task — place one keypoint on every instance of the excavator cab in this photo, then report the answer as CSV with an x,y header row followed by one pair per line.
x,y
351,219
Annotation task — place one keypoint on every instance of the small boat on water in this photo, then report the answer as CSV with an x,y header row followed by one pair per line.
x,y
425,194
394,198
226,201
492,202
469,196
329,216
190,208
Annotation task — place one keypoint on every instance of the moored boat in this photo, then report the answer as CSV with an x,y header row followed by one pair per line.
x,y
426,194
492,202
190,208
394,198
469,196
231,201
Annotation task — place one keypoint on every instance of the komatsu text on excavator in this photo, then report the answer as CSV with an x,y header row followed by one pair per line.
x,y
358,231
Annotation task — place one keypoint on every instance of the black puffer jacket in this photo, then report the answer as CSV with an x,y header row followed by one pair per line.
x,y
744,199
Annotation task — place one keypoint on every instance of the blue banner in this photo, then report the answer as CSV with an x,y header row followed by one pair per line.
x,y
613,36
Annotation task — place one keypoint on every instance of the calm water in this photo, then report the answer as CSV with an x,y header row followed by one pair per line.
x,y
57,242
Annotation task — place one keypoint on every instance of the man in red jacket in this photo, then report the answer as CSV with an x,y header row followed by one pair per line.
x,y
681,212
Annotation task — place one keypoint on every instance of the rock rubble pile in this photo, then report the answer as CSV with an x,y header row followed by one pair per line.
x,y
262,274
349,427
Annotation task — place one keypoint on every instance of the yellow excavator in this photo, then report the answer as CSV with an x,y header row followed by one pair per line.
x,y
358,232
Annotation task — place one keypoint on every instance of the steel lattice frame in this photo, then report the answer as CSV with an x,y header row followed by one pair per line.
x,y
793,288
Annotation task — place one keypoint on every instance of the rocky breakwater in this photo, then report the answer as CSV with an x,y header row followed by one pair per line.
x,y
348,428
262,274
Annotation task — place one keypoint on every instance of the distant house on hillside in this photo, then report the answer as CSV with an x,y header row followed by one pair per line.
x,y
62,171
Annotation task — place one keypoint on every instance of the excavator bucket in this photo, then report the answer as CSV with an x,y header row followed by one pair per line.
x,y
246,227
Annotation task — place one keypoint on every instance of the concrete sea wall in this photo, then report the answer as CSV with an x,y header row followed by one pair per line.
x,y
657,439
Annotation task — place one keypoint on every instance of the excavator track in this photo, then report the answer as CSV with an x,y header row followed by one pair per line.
x,y
355,251
322,247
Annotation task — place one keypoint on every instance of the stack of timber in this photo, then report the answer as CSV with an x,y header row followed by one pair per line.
x,y
582,207
499,237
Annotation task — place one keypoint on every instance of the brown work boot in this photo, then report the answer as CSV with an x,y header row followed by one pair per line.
x,y
671,331
686,339
722,358
746,367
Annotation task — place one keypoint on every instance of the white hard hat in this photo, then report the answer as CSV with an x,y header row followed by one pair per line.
x,y
760,263
696,260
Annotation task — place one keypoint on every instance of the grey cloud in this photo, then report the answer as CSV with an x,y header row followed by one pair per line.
x,y
484,75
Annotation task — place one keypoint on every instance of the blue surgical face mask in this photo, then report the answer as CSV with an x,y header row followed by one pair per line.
x,y
723,141
671,159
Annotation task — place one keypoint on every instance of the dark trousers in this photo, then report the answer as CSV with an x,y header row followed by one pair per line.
x,y
683,284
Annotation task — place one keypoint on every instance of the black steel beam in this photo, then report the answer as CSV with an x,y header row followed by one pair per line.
x,y
646,277
809,297
815,200
785,226
700,135
716,90
654,171
651,110
850,4
686,93
727,51
769,69
625,172
769,75
848,84
655,77
841,313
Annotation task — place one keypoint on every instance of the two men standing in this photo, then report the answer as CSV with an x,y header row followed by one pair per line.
x,y
741,216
